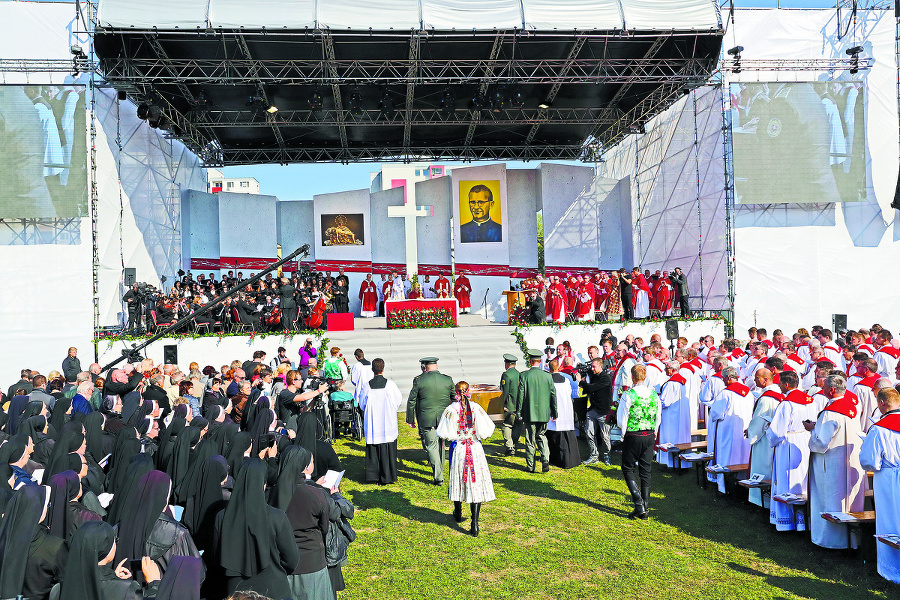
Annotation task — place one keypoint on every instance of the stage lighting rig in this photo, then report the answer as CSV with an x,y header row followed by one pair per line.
x,y
500,98
355,104
386,105
517,97
736,53
316,100
143,111
259,105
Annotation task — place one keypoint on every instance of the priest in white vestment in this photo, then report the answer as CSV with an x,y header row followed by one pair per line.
x,y
791,441
360,374
886,356
731,411
711,387
836,479
380,400
880,453
398,291
675,423
761,450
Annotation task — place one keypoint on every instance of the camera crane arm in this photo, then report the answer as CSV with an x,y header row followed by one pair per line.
x,y
304,250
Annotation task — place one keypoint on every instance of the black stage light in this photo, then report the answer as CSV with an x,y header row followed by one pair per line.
x,y
448,102
122,95
355,103
500,98
386,105
154,116
143,111
316,100
517,98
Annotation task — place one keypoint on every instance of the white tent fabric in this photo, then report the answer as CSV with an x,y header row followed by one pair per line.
x,y
643,15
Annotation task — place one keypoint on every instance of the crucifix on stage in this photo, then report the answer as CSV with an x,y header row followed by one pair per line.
x,y
410,212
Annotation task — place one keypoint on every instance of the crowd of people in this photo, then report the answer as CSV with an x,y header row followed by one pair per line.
x,y
630,294
149,483
157,483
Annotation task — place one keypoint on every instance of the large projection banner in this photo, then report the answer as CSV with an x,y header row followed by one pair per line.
x,y
480,220
43,152
799,142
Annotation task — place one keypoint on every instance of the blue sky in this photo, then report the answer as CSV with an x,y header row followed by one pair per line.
x,y
301,182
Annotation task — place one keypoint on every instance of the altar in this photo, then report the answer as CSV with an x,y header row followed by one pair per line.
x,y
421,314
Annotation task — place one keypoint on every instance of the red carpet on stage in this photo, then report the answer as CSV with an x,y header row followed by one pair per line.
x,y
339,322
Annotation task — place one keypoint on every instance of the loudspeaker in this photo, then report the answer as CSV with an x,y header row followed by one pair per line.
x,y
838,322
130,276
170,354
671,330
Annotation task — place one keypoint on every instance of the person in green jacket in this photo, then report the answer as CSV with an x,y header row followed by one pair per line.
x,y
536,405
509,386
431,393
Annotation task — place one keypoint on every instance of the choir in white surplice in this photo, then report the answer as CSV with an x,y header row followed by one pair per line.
x,y
761,450
466,424
676,421
731,411
880,453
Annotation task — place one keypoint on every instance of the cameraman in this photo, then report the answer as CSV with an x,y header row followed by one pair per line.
x,y
294,401
133,299
597,385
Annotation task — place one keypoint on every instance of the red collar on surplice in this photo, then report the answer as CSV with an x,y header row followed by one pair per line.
x,y
890,421
772,394
844,406
869,380
738,388
798,397
677,379
890,351
853,397
622,362
737,353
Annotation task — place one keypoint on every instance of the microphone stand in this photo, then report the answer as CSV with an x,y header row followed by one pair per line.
x,y
134,352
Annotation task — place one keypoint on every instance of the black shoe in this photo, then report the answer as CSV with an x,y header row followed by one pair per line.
x,y
545,467
509,452
530,469
436,482
638,513
457,512
476,512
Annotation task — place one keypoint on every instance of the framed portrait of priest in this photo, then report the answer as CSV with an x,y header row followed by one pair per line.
x,y
480,213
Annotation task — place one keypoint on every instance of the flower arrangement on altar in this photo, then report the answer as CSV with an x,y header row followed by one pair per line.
x,y
427,318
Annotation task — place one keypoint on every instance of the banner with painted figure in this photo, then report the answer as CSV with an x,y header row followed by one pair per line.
x,y
480,219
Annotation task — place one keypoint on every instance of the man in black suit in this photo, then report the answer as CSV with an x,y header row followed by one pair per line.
x,y
627,293
154,391
245,312
537,313
24,384
288,304
134,308
679,280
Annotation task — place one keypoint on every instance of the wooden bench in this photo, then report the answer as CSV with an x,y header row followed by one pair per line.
x,y
860,519
698,463
887,542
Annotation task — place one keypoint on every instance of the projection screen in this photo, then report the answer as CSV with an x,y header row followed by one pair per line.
x,y
799,142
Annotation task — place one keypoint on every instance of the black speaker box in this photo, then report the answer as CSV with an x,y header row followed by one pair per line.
x,y
130,276
170,354
671,330
838,322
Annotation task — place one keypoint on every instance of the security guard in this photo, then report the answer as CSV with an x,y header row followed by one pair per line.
x,y
431,393
509,386
535,405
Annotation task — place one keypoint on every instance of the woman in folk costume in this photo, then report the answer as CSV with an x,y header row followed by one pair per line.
x,y
466,423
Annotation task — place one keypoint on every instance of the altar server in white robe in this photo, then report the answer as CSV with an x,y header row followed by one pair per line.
x,y
790,438
865,390
360,374
731,411
466,423
836,479
756,360
622,372
886,356
561,437
380,400
881,453
675,423
711,387
761,450
656,370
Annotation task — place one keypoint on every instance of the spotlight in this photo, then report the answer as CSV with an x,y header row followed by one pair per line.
x,y
479,102
76,50
122,96
203,99
500,98
736,50
386,105
259,105
517,98
448,102
316,100
272,109
355,103
854,53
544,105
143,111
154,116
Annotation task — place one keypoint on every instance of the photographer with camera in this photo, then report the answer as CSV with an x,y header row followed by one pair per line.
x,y
133,299
293,401
597,385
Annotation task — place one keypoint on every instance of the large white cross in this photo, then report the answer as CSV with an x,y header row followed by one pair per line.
x,y
410,212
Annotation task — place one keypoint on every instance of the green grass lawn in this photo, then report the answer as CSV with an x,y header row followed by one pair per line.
x,y
565,534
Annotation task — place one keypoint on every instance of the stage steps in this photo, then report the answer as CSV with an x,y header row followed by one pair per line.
x,y
473,354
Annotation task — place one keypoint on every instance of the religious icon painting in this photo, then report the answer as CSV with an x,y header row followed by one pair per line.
x,y
343,230
479,211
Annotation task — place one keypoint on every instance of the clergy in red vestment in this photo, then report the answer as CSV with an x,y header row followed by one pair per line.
x,y
556,300
461,289
584,307
368,298
571,286
442,286
663,295
414,292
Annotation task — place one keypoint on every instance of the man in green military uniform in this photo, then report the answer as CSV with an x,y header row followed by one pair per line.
x,y
509,386
536,405
431,393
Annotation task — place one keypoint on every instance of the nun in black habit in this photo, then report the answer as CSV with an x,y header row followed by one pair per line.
x,y
31,559
66,514
36,428
206,497
146,527
253,542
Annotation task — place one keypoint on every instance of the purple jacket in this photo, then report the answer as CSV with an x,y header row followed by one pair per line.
x,y
306,355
